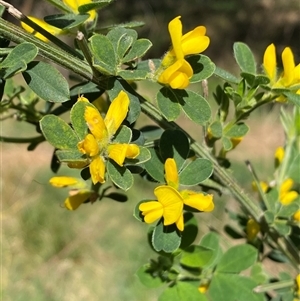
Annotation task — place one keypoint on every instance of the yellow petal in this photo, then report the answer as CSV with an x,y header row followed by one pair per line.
x,y
132,151
171,173
195,41
89,146
74,201
97,170
152,211
95,123
175,30
297,75
286,186
298,284
279,155
177,75
288,197
117,152
51,29
288,66
270,62
172,203
296,216
180,223
116,113
63,181
198,201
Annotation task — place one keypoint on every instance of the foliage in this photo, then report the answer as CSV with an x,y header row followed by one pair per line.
x,y
103,146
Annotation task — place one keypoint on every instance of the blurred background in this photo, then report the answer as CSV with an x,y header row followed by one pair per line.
x,y
49,253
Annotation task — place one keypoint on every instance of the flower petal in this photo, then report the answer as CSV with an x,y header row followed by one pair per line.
x,y
74,5
152,211
172,203
195,41
288,197
51,29
286,186
89,146
117,152
180,223
116,113
74,201
175,30
288,66
63,181
279,155
97,170
198,201
269,62
171,173
95,123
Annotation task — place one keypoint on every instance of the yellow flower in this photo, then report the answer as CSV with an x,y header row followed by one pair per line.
x,y
176,70
279,155
296,216
51,29
170,201
74,5
98,145
286,195
290,76
263,185
203,288
252,229
79,193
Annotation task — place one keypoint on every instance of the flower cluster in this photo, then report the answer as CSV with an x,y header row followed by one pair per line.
x,y
170,201
98,144
290,77
176,71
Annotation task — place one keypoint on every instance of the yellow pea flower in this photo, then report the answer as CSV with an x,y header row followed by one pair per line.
x,y
175,70
170,201
98,145
290,76
279,155
51,29
77,195
286,195
296,216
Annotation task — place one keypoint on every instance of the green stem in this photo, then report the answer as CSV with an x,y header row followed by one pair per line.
x,y
273,286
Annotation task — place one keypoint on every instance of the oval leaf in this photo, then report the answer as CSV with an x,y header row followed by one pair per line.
x,y
196,172
203,67
244,57
196,256
47,82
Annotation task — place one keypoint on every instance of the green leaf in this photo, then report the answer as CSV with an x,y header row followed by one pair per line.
x,y
272,200
66,21
93,6
190,231
237,259
236,131
216,129
293,97
203,67
77,118
168,103
120,175
211,241
288,210
138,49
71,155
104,56
182,291
244,57
196,256
123,135
47,82
227,144
132,75
155,166
226,76
258,274
196,172
121,39
194,106
282,227
235,286
174,144
166,238
144,273
25,52
58,133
